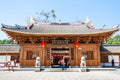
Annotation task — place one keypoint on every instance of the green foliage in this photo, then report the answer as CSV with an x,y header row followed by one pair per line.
x,y
6,41
114,40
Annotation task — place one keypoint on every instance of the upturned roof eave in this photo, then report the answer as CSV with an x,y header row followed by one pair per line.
x,y
27,33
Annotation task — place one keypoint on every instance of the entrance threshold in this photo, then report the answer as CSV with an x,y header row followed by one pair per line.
x,y
55,66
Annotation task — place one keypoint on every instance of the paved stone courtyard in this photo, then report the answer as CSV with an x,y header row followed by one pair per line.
x,y
31,75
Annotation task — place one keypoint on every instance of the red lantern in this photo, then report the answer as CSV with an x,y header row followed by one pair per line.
x,y
76,43
43,43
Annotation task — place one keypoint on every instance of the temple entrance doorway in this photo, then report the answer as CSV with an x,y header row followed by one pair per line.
x,y
59,54
55,63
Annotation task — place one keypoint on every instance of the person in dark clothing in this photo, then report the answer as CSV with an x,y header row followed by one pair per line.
x,y
112,61
66,62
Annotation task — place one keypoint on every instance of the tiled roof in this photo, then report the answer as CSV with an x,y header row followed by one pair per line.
x,y
56,29
110,48
9,48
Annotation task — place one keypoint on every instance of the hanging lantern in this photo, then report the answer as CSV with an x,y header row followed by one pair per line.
x,y
43,43
76,44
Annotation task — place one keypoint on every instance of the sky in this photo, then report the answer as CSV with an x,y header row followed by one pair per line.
x,y
100,12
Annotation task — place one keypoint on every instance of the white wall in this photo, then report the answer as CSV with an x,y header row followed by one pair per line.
x,y
115,57
4,58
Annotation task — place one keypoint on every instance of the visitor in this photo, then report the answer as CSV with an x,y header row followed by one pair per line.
x,y
12,65
62,64
112,61
15,61
59,62
8,65
66,62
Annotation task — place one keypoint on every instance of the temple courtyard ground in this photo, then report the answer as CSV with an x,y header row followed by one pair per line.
x,y
31,75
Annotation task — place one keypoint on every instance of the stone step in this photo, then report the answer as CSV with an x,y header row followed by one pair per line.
x,y
102,69
78,69
60,70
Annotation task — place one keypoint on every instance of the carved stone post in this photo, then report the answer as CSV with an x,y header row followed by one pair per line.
x,y
83,64
37,64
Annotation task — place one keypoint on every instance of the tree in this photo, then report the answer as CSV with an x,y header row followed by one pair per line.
x,y
114,40
6,41
45,16
109,41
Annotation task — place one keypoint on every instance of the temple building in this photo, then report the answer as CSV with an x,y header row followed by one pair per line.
x,y
53,41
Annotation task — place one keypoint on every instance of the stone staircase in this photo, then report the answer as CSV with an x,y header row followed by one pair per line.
x,y
77,69
102,69
60,70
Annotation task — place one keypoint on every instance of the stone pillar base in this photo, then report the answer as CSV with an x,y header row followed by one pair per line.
x,y
83,69
37,69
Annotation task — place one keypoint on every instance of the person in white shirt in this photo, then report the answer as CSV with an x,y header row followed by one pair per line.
x,y
12,65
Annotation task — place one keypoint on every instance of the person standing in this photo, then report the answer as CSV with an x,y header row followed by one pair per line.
x,y
62,64
12,65
8,65
113,63
66,62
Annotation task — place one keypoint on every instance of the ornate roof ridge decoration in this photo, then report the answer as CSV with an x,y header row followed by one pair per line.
x,y
62,24
88,22
13,27
16,27
23,27
8,26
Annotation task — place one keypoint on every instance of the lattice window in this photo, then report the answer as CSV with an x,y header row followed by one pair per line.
x,y
38,41
72,53
27,41
92,41
31,55
70,40
104,59
82,41
48,53
15,57
88,54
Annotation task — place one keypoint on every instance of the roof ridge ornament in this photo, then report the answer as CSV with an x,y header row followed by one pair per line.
x,y
30,23
32,20
89,23
116,26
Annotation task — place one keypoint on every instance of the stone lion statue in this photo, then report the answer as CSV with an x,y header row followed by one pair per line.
x,y
83,62
37,63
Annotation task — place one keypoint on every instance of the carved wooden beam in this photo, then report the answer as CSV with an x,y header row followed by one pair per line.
x,y
33,39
